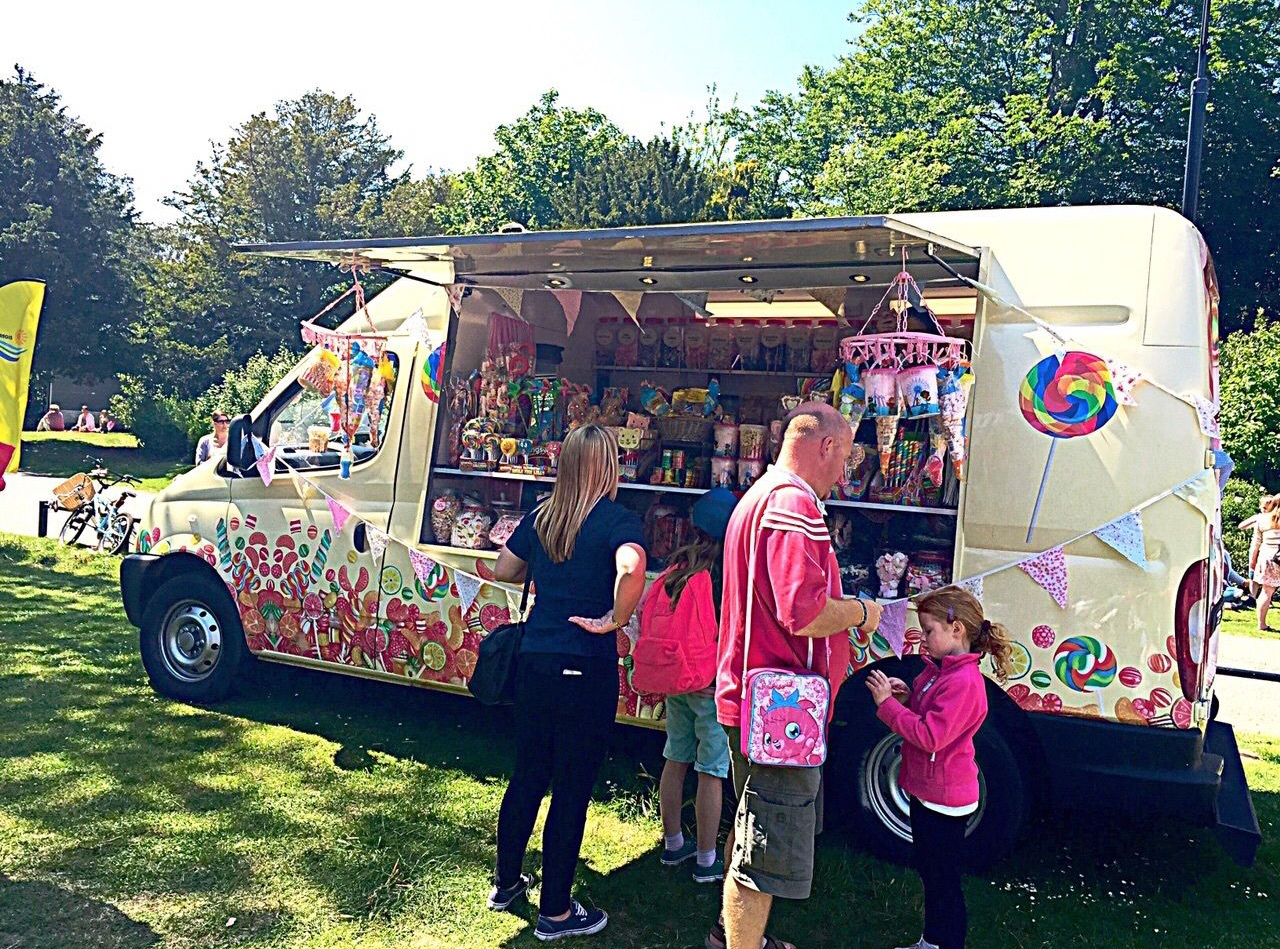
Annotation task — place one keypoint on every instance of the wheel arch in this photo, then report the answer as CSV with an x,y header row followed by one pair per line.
x,y
142,575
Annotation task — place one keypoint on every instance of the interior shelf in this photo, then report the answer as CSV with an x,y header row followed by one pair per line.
x,y
713,372
866,505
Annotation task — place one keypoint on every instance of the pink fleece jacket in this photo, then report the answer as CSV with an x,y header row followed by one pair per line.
x,y
947,706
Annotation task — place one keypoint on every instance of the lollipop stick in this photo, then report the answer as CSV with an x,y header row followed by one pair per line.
x,y
1044,479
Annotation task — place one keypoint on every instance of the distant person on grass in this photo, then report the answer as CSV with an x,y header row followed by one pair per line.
x,y
52,421
85,422
105,422
1264,555
215,440
799,621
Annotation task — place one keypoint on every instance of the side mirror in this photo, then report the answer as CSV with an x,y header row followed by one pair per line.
x,y
240,454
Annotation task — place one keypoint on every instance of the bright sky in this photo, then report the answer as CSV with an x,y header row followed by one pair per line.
x,y
160,81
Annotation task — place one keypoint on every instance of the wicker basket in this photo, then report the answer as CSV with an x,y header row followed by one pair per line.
x,y
684,428
75,492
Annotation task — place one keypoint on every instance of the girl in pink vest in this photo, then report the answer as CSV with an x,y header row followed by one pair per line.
x,y
676,656
937,718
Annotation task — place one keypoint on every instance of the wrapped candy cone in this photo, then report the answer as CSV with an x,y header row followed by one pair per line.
x,y
886,436
953,408
933,467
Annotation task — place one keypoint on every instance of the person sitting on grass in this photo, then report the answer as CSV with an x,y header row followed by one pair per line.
x,y
937,718
52,420
85,422
681,612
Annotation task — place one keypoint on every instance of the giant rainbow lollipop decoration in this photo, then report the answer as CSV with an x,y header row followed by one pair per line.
x,y
1065,397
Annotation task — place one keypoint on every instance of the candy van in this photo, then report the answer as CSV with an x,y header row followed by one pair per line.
x,y
1032,394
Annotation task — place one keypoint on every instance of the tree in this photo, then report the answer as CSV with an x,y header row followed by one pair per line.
x,y
64,219
316,169
1250,403
538,156
965,103
657,182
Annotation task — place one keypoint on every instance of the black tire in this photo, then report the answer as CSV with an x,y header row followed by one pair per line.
x,y
191,641
124,524
874,811
74,527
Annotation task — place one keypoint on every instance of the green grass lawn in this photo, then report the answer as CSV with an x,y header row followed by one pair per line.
x,y
316,810
64,453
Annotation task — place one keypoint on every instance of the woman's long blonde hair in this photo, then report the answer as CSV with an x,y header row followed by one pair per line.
x,y
952,604
1269,506
587,472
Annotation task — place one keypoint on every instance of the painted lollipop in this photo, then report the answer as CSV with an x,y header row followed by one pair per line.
x,y
1065,397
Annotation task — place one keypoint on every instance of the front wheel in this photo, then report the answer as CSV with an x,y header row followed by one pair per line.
x,y
119,529
191,640
865,763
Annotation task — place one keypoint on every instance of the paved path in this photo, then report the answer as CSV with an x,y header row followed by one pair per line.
x,y
20,500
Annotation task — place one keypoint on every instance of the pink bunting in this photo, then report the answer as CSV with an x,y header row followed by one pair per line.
x,y
422,564
571,303
1208,414
266,465
893,626
340,514
1049,570
455,292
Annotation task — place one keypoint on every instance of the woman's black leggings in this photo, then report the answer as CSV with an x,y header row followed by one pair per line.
x,y
936,842
564,712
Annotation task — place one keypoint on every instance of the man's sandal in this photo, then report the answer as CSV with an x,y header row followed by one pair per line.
x,y
716,939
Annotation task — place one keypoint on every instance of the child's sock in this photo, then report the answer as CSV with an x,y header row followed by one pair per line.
x,y
674,841
706,857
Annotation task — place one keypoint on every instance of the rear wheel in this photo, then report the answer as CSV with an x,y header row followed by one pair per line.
x,y
74,527
191,640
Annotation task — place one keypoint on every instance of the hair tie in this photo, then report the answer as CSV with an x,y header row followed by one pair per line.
x,y
985,627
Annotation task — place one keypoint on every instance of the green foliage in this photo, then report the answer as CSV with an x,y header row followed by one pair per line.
x,y
240,390
65,220
160,421
1250,402
1239,501
657,182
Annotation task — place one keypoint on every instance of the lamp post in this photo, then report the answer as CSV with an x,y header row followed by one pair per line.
x,y
1195,123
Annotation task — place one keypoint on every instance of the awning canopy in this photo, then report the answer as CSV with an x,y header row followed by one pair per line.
x,y
792,253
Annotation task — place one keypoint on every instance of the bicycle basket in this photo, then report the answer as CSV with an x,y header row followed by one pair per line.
x,y
75,492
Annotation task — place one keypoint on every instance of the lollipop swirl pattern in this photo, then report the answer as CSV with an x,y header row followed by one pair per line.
x,y
1068,397
1084,664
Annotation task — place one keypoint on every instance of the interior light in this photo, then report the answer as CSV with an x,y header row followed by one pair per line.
x,y
747,260
556,264
859,278
860,247
647,262
747,278
556,283
649,280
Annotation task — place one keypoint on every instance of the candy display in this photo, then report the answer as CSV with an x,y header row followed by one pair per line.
x,y
724,472
890,568
726,439
444,511
748,471
320,373
471,526
722,348
918,391
751,442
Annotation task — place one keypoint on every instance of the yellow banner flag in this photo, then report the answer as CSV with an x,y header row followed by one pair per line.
x,y
20,304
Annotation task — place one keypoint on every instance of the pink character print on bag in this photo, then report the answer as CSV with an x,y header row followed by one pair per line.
x,y
786,721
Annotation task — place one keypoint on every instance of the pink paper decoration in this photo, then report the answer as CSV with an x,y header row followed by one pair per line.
x,y
1124,379
340,514
422,564
893,626
266,465
377,541
1049,570
1208,414
571,303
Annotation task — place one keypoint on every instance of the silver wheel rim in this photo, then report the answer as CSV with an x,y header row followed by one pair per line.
x,y
117,530
190,641
892,805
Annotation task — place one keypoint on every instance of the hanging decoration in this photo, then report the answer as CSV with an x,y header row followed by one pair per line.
x,y
339,514
1201,493
832,298
1125,535
571,305
468,589
456,292
416,327
893,626
433,373
422,564
377,541
266,465
1065,396
697,302
1207,412
1049,570
513,297
973,586
630,301
1124,379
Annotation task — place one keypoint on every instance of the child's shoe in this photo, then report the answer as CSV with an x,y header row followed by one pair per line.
x,y
579,922
671,858
502,897
711,874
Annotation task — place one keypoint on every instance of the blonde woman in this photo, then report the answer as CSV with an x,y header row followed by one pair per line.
x,y
1262,555
585,554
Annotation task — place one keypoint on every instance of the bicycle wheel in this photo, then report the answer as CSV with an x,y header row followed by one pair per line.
x,y
75,526
116,540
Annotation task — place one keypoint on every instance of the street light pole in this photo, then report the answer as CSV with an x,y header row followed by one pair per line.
x,y
1195,124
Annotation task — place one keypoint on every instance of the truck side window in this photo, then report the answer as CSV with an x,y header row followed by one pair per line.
x,y
309,427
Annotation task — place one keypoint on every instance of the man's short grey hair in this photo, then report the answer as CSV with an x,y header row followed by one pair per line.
x,y
811,419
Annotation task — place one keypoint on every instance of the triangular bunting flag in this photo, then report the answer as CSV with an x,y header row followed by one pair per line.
x,y
1126,536
455,292
422,564
377,541
1208,414
1059,340
1201,493
630,301
513,297
266,465
416,327
764,296
830,297
974,586
306,490
1124,379
893,626
340,514
696,302
468,588
1049,569
571,303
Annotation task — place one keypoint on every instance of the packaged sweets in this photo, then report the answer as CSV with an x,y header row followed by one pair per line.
x,y
626,351
471,527
747,337
606,340
695,345
721,349
799,346
748,471
826,347
444,510
751,442
773,350
724,473
671,349
650,340
506,524
320,373
726,440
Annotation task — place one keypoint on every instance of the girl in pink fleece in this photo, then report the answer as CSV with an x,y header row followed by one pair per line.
x,y
937,718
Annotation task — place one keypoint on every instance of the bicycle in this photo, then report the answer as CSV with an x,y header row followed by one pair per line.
x,y
84,495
